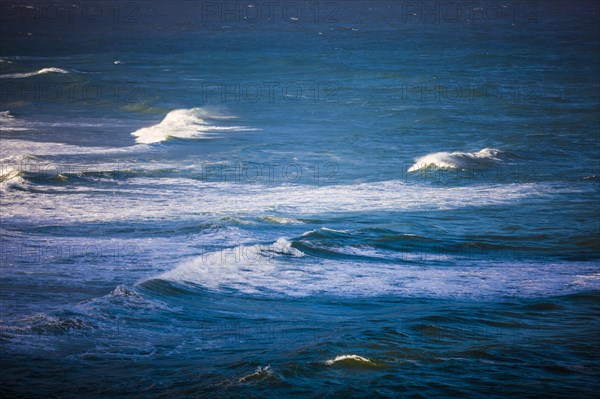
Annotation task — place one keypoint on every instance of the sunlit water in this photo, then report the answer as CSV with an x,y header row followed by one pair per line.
x,y
362,202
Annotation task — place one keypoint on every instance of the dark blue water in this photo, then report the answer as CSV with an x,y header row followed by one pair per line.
x,y
300,199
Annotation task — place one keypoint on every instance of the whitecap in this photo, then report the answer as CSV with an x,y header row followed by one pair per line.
x,y
457,159
185,124
349,359
29,74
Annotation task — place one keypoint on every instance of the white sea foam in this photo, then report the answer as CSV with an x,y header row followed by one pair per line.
x,y
14,148
224,268
183,123
280,269
281,220
10,176
35,73
8,123
457,159
218,199
23,160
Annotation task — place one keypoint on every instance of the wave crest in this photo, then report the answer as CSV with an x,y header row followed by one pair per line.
x,y
351,361
259,374
281,269
457,159
29,74
184,124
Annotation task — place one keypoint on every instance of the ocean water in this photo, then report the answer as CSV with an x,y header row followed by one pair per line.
x,y
351,199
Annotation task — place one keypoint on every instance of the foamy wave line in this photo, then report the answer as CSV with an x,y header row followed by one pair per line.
x,y
299,202
282,270
184,124
13,150
457,159
29,74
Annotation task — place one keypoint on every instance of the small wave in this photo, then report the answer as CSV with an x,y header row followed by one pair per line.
x,y
457,159
29,74
11,178
123,291
51,70
143,108
42,172
183,124
236,220
351,361
591,177
281,220
126,298
11,174
323,232
259,374
234,267
32,58
281,269
45,324
9,123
